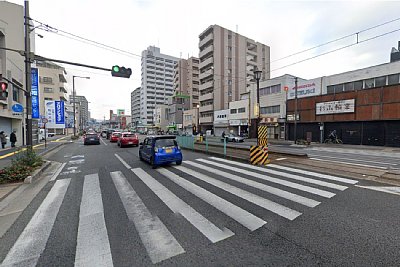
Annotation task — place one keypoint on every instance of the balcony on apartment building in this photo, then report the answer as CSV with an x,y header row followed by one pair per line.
x,y
206,108
207,50
206,62
205,40
206,74
208,96
203,120
207,85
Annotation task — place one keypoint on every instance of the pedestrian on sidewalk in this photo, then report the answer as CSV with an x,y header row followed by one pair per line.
x,y
3,139
13,138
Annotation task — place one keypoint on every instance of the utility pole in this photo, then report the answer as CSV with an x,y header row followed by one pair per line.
x,y
28,78
295,110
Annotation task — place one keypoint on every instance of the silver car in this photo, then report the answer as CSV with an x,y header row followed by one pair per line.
x,y
233,138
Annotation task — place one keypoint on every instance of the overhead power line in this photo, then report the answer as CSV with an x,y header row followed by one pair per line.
x,y
75,37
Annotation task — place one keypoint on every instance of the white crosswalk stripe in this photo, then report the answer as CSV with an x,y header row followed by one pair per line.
x,y
212,232
304,188
262,202
213,182
288,175
159,242
32,241
243,217
93,247
266,188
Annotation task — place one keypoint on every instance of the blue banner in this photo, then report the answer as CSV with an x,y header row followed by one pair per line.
x,y
60,118
35,93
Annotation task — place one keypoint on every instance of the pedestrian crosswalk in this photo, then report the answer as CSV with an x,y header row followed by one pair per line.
x,y
228,188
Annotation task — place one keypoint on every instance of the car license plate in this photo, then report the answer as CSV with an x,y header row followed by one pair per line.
x,y
130,143
169,150
91,139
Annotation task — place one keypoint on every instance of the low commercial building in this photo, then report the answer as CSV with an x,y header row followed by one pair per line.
x,y
221,121
191,121
363,106
239,117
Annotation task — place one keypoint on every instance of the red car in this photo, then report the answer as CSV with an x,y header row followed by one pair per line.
x,y
128,139
114,137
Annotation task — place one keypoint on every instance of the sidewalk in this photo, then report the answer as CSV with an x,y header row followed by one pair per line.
x,y
7,155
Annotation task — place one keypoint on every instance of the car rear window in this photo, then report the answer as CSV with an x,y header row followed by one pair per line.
x,y
165,143
128,135
116,134
91,135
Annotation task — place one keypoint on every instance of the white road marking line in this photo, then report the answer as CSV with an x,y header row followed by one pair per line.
x,y
281,159
304,188
240,215
348,163
387,189
32,241
286,175
103,142
160,244
93,247
316,174
77,156
253,198
78,161
58,172
266,188
207,228
361,160
123,162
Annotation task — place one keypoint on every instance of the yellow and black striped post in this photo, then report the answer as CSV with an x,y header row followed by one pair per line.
x,y
262,135
259,153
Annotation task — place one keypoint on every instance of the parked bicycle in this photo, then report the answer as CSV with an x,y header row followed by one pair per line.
x,y
333,141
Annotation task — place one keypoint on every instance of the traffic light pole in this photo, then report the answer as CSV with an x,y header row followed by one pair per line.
x,y
28,79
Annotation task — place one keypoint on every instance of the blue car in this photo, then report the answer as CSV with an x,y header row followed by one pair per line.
x,y
159,150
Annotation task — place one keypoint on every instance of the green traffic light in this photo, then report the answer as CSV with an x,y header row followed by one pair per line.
x,y
116,69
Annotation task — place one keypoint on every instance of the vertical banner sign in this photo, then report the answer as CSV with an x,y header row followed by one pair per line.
x,y
60,118
55,114
35,93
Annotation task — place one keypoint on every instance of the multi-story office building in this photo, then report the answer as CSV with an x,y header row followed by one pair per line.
x,y
186,86
227,64
51,86
83,106
157,82
12,68
135,106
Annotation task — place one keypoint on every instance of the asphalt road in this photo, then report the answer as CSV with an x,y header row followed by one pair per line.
x,y
107,208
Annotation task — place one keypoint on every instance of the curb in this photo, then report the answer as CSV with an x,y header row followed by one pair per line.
x,y
37,173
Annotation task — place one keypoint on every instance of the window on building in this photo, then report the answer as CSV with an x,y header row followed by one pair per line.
x,y
358,85
380,81
15,93
348,87
230,48
47,80
393,79
48,90
233,111
48,98
229,59
241,110
369,83
270,109
339,88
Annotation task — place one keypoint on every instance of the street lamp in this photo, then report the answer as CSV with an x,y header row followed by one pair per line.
x,y
74,98
257,76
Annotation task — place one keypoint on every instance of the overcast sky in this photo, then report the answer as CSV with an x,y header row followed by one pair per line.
x,y
174,26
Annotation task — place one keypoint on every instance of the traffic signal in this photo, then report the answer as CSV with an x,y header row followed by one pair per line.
x,y
3,90
123,72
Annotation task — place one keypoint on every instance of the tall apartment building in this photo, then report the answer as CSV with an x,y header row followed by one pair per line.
x,y
157,82
186,86
135,106
83,106
51,86
227,64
